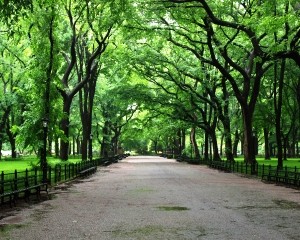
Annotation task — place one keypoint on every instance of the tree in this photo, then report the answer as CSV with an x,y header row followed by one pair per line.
x,y
225,44
117,109
86,47
206,69
12,67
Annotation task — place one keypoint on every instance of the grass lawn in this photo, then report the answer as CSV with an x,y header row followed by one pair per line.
x,y
10,165
291,162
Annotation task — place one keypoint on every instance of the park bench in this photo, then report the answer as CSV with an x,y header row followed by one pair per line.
x,y
12,188
87,170
115,159
107,162
179,158
112,159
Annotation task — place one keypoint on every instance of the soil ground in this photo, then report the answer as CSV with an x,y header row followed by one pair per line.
x,y
156,198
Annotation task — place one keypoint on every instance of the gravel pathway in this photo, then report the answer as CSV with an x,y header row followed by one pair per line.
x,y
157,198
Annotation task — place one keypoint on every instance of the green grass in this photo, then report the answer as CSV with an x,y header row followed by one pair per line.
x,y
10,165
291,162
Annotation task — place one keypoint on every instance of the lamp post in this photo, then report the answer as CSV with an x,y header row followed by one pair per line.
x,y
91,147
44,151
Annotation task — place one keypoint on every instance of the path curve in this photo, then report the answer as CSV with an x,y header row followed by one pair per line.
x,y
156,198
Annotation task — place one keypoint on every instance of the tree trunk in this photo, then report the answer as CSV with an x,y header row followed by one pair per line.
x,y
221,145
155,142
228,141
212,132
56,142
249,149
215,149
183,139
74,145
78,145
206,146
226,123
177,143
64,125
235,143
278,110
294,141
194,143
115,140
285,146
3,121
70,147
49,148
12,139
267,144
84,146
1,144
105,140
84,122
86,100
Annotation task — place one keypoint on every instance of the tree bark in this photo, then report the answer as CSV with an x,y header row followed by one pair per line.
x,y
57,150
194,143
183,139
3,121
249,150
278,109
236,142
12,140
115,139
64,126
105,140
206,145
226,123
267,144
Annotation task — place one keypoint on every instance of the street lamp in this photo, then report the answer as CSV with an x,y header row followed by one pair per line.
x,y
91,147
44,151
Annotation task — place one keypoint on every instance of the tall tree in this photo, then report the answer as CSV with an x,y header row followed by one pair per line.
x,y
87,60
225,32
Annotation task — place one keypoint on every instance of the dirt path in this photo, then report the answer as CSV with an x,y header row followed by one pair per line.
x,y
156,198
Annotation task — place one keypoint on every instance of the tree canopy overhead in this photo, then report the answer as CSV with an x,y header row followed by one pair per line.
x,y
214,73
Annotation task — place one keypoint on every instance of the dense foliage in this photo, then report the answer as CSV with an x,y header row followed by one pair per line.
x,y
199,78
